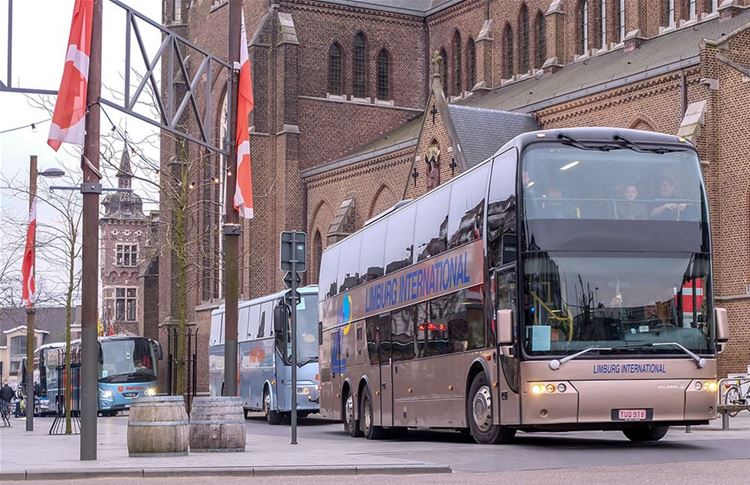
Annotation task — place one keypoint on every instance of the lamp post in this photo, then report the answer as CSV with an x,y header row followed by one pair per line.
x,y
30,310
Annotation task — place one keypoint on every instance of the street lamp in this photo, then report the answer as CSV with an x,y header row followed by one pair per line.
x,y
30,334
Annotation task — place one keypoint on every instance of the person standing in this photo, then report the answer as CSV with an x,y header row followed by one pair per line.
x,y
6,394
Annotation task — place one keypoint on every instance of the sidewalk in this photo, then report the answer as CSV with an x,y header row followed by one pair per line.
x,y
37,455
322,450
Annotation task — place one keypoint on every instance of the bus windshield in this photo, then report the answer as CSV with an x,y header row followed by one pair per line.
x,y
626,302
307,331
565,182
127,360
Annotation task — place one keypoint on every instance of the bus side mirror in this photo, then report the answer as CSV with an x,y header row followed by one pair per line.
x,y
722,325
159,352
504,321
280,320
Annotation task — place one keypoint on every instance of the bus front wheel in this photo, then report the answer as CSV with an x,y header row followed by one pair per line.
x,y
646,433
479,414
273,417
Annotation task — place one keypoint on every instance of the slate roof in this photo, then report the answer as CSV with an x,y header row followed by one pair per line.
x,y
50,319
482,131
419,8
661,54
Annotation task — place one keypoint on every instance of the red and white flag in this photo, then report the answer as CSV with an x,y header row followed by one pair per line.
x,y
243,192
27,269
69,118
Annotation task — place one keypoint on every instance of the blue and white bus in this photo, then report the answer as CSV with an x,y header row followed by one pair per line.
x,y
127,370
264,356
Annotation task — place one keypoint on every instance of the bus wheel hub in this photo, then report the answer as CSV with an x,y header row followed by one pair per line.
x,y
482,409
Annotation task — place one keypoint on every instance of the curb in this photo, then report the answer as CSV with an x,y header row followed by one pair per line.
x,y
259,471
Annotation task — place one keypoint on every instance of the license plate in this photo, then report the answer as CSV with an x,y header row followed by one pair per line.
x,y
130,394
632,415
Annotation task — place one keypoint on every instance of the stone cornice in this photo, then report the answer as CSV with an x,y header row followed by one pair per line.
x,y
452,12
587,104
353,12
358,169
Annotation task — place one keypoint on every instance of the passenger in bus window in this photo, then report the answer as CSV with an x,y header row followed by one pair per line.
x,y
553,206
670,210
631,208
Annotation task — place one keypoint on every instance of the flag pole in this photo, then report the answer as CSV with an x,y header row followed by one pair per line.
x,y
90,189
232,228
30,310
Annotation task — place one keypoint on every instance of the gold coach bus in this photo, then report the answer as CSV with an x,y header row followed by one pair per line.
x,y
563,284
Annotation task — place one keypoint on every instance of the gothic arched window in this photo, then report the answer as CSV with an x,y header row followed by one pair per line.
x,y
384,75
457,81
583,26
334,69
602,23
523,37
317,255
508,51
541,40
471,63
359,66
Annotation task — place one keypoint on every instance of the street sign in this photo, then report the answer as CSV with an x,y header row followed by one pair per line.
x,y
288,279
293,249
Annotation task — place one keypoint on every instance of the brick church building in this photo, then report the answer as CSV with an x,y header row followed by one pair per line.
x,y
360,104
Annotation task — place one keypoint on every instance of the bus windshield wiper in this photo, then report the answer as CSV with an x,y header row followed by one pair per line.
x,y
555,364
699,361
640,148
569,140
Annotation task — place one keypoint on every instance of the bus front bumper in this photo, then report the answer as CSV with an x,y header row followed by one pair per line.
x,y
619,403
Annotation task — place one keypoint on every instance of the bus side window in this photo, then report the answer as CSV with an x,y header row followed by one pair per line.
x,y
501,209
466,213
402,334
253,320
372,329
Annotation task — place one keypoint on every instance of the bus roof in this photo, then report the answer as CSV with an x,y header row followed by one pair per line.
x,y
584,134
304,290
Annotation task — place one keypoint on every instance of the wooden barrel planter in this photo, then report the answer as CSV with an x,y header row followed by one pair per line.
x,y
158,426
217,424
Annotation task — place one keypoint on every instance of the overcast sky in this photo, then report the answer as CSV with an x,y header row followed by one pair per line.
x,y
40,34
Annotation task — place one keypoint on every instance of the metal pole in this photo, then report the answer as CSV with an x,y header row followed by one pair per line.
x,y
294,338
90,189
232,229
30,334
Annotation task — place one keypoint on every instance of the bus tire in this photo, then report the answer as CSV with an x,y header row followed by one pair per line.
x,y
351,426
366,418
273,417
645,433
479,414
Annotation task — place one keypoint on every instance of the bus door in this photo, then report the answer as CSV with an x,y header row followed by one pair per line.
x,y
509,402
386,370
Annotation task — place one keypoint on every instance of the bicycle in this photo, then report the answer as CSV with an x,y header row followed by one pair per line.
x,y
4,412
734,395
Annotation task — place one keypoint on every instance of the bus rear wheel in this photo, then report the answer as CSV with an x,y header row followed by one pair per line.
x,y
351,426
366,418
273,417
646,433
479,414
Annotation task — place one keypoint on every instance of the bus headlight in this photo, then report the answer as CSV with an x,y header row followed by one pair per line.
x,y
151,391
105,394
537,389
711,386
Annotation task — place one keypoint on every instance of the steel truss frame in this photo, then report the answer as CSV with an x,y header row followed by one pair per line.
x,y
173,52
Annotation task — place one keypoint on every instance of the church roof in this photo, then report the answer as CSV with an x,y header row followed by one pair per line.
x,y
482,131
658,55
408,7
